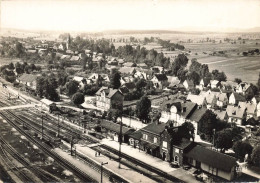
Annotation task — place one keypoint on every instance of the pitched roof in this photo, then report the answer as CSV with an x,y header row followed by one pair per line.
x,y
126,70
136,135
211,158
235,111
173,80
214,82
101,89
115,127
222,97
129,85
185,108
27,78
220,114
74,58
239,97
183,144
250,106
189,82
198,99
161,77
197,114
154,128
128,64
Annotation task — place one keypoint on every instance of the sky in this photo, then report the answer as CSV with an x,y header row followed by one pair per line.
x,y
100,15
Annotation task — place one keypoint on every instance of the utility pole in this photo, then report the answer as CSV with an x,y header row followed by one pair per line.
x,y
120,142
42,126
101,171
71,145
58,125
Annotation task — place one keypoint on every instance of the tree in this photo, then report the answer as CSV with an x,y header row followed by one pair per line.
x,y
220,76
180,62
140,84
255,157
252,121
78,98
223,140
187,130
238,80
143,108
40,86
11,66
115,80
72,87
241,148
195,77
207,123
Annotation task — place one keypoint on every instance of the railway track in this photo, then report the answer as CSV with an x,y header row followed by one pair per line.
x,y
12,167
40,174
79,173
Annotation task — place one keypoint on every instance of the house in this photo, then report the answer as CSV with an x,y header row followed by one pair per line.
x,y
158,69
28,80
159,80
203,83
214,83
173,81
129,64
108,98
127,70
126,79
67,57
47,104
200,100
236,114
196,117
244,88
177,111
250,109
188,84
112,131
121,62
75,58
211,161
62,47
256,99
142,65
151,138
80,80
222,100
127,87
135,138
235,98
228,85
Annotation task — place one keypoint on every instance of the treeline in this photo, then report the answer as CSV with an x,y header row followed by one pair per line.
x,y
10,71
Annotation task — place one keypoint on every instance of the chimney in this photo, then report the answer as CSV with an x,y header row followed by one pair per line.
x,y
184,109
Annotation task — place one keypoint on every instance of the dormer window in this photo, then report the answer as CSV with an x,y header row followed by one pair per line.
x,y
234,112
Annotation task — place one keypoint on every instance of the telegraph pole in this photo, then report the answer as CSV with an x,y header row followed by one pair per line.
x,y
71,145
58,125
120,142
42,126
101,171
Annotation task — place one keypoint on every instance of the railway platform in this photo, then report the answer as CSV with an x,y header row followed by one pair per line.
x,y
126,172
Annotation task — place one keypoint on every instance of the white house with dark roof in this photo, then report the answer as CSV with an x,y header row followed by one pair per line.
x,y
250,109
159,80
235,98
177,111
28,80
188,84
108,98
214,83
213,162
236,114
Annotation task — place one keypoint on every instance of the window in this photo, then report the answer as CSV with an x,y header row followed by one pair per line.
x,y
164,144
145,136
177,150
155,140
132,141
